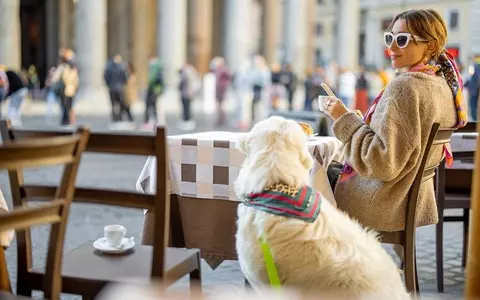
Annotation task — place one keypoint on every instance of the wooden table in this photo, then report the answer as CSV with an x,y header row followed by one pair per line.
x,y
203,169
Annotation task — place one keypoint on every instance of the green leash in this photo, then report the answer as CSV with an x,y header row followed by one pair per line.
x,y
270,264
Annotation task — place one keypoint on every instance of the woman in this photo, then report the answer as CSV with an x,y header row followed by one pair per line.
x,y
383,151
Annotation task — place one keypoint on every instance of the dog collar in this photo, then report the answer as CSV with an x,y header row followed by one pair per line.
x,y
301,203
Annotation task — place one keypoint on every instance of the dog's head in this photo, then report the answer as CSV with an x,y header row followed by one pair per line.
x,y
276,152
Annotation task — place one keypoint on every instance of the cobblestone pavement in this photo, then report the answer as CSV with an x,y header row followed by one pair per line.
x,y
87,221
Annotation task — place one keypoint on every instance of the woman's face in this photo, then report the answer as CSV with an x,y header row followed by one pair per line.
x,y
409,56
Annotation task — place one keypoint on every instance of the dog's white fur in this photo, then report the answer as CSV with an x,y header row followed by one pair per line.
x,y
333,255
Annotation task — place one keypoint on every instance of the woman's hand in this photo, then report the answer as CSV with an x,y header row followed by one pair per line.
x,y
335,108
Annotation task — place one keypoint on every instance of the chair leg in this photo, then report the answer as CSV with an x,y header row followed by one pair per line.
x,y
466,223
409,269
196,277
417,284
439,252
247,284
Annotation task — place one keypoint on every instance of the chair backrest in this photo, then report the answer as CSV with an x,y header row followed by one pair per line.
x,y
470,127
438,136
118,143
18,154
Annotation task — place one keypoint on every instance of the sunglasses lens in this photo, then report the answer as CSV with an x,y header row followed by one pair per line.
x,y
388,40
402,41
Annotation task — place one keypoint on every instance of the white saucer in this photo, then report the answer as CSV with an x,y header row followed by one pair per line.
x,y
101,245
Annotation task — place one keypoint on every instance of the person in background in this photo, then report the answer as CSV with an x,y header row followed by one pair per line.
x,y
131,91
17,91
361,92
375,84
188,88
346,87
473,86
289,81
260,79
223,77
3,86
277,87
313,87
331,76
116,77
154,89
33,82
65,85
52,99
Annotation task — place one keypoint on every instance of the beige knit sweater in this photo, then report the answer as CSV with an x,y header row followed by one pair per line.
x,y
386,155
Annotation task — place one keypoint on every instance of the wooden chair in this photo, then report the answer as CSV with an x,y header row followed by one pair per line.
x,y
453,189
406,238
85,272
36,153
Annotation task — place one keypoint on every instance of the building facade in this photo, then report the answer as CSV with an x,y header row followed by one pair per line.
x,y
462,18
32,32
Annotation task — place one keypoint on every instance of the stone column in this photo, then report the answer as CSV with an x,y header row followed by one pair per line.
x,y
143,36
91,47
172,36
200,15
310,44
10,47
373,45
272,18
66,24
348,33
118,12
237,29
296,31
51,23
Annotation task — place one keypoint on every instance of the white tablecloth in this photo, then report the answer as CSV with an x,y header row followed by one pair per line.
x,y
206,165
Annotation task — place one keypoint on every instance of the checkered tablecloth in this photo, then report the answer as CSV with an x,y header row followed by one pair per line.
x,y
206,165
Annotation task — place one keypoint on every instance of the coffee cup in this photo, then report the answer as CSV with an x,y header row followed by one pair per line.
x,y
321,102
114,234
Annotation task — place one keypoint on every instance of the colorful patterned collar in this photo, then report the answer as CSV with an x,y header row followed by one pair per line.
x,y
301,203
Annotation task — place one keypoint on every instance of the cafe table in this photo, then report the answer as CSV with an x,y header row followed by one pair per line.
x,y
202,170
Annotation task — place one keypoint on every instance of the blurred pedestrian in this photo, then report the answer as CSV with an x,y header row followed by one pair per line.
x,y
222,77
277,88
65,85
3,86
346,87
188,88
154,89
361,92
17,92
116,77
260,79
289,81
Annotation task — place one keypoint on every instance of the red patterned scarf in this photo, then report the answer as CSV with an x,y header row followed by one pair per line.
x,y
445,66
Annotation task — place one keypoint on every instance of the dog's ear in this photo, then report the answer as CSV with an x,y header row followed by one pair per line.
x,y
243,144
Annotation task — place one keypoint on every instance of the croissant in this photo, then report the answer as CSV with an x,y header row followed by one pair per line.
x,y
306,128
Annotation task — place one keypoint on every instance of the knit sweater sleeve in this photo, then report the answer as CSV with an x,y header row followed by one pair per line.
x,y
381,150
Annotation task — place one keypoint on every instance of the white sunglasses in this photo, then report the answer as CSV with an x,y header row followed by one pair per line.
x,y
402,39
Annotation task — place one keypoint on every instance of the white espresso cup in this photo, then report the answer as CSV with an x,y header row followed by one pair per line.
x,y
114,234
322,100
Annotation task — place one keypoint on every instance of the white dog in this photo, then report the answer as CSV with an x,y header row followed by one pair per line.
x,y
330,255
